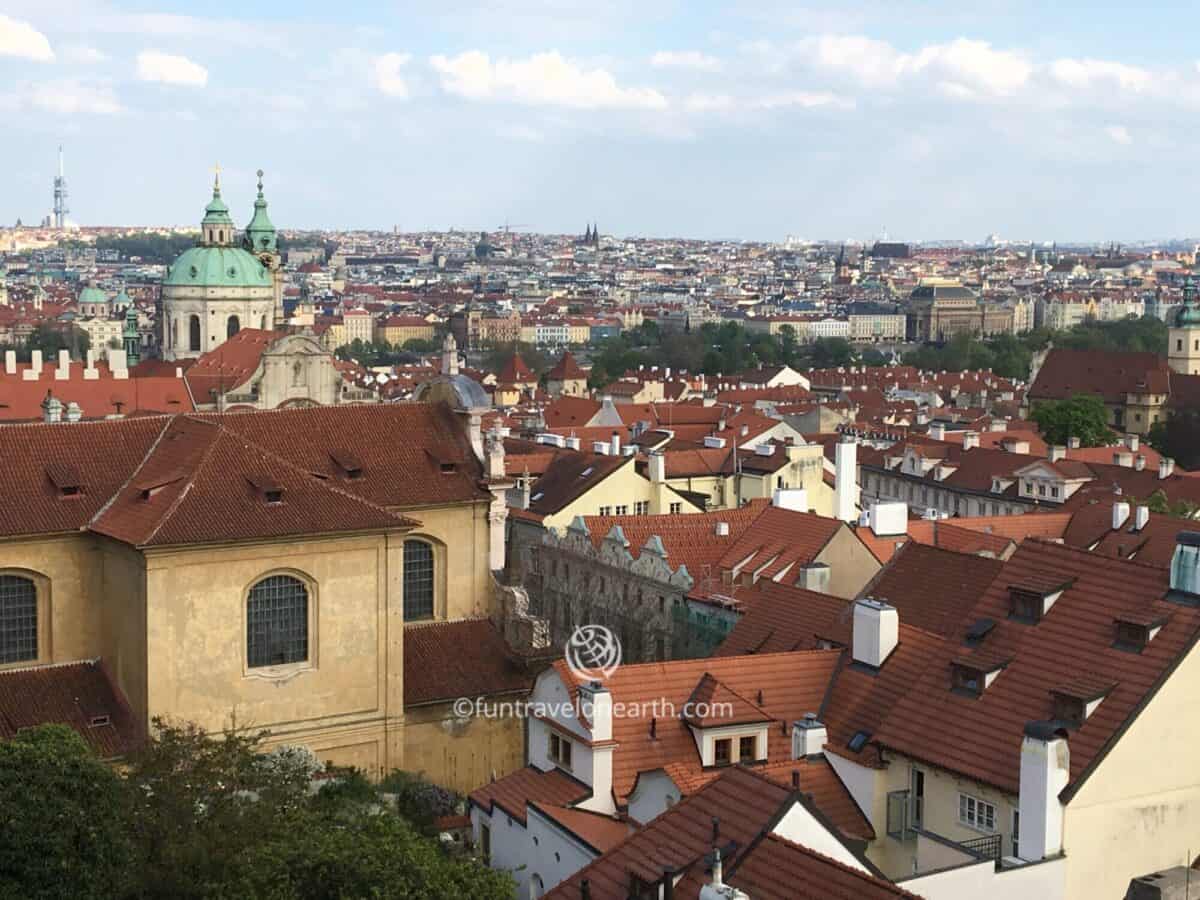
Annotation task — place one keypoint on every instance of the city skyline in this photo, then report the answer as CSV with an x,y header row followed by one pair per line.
x,y
715,121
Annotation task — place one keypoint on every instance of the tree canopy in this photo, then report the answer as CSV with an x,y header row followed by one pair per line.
x,y
199,816
1179,437
1082,416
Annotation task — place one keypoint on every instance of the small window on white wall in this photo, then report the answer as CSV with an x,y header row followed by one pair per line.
x,y
560,750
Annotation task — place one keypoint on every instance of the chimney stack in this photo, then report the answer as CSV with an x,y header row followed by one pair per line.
x,y
90,372
1055,452
795,499
1073,443
970,440
74,413
615,444
937,431
814,577
657,467
1141,517
51,408
1120,513
1166,466
809,737
1132,442
876,631
1139,462
1185,564
62,371
596,706
1045,771
845,478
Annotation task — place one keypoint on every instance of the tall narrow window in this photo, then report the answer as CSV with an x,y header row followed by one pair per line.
x,y
232,326
418,580
18,619
193,332
277,622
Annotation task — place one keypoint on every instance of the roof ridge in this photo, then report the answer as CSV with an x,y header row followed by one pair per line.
x,y
104,507
170,511
866,876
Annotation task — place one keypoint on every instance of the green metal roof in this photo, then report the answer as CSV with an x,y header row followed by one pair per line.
x,y
216,213
261,232
217,267
92,294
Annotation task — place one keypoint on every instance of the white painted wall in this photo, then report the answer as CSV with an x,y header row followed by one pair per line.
x,y
654,794
801,827
510,845
859,780
551,853
981,881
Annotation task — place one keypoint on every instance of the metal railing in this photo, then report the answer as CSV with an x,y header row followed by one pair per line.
x,y
987,847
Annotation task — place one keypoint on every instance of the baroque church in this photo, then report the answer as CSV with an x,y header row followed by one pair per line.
x,y
229,281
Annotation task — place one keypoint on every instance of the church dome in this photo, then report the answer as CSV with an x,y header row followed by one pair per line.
x,y
459,391
1188,316
260,233
92,294
217,267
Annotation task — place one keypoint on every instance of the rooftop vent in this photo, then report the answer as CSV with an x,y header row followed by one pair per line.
x,y
349,463
267,486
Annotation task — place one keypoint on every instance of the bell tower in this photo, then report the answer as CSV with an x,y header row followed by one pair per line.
x,y
1183,338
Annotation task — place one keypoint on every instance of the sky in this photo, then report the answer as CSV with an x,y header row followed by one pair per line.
x,y
918,119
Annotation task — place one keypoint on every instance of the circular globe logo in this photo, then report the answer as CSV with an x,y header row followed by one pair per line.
x,y
593,652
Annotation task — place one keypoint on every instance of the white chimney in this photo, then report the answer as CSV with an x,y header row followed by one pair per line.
x,y
722,529
90,372
1166,466
1120,514
62,371
845,478
1055,452
1073,443
809,737
615,444
1045,771
814,577
116,363
1123,458
795,499
765,449
34,372
887,519
1132,442
714,443
10,362
600,448
970,440
1141,517
717,889
74,413
1185,564
658,468
595,705
572,443
937,431
1139,462
876,631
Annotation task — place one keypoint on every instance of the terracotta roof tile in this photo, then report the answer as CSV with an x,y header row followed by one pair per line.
x,y
778,869
78,694
467,658
530,784
981,737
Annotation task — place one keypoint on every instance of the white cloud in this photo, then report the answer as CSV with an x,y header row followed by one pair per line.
x,y
83,54
386,74
1119,134
708,102
685,59
546,79
520,133
962,67
803,99
62,97
22,40
1084,73
154,65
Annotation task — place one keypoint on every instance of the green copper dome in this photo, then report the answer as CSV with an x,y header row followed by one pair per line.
x,y
92,294
260,233
1189,313
217,267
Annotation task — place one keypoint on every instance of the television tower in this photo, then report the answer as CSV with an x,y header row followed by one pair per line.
x,y
60,195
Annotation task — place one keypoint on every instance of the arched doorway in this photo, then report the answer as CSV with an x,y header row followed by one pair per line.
x,y
232,326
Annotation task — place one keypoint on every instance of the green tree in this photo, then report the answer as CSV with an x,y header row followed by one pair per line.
x,y
872,357
63,818
829,353
1179,437
1082,416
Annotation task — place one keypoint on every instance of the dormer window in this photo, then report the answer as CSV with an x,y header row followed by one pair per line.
x,y
349,464
966,679
974,674
65,478
1132,632
447,468
268,488
1029,603
1074,702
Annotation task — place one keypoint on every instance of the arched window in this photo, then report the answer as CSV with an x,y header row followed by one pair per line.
x,y
277,622
232,326
194,333
418,580
18,619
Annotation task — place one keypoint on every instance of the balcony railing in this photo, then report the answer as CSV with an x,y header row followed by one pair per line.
x,y
986,847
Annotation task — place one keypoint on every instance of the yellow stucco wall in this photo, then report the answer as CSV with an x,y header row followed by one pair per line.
x,y
461,538
1140,809
462,753
623,487
851,564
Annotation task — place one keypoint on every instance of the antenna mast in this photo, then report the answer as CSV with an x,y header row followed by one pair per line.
x,y
60,194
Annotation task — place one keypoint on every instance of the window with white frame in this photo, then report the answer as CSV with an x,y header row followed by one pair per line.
x,y
641,507
606,510
976,813
676,508
560,750
622,510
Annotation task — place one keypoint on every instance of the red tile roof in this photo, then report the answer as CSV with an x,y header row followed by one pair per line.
x,y
21,400
1108,374
78,694
780,618
467,658
514,371
780,541
529,785
600,832
792,684
981,737
566,369
745,803
230,365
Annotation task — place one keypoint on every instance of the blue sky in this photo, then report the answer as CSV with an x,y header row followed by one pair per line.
x,y
756,120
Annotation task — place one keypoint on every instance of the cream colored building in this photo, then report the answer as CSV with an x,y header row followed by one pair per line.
x,y
257,570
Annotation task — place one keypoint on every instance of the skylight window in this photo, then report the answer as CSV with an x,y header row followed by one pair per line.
x,y
537,496
858,741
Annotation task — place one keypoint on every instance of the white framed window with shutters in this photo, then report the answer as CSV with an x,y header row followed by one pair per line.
x,y
976,813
